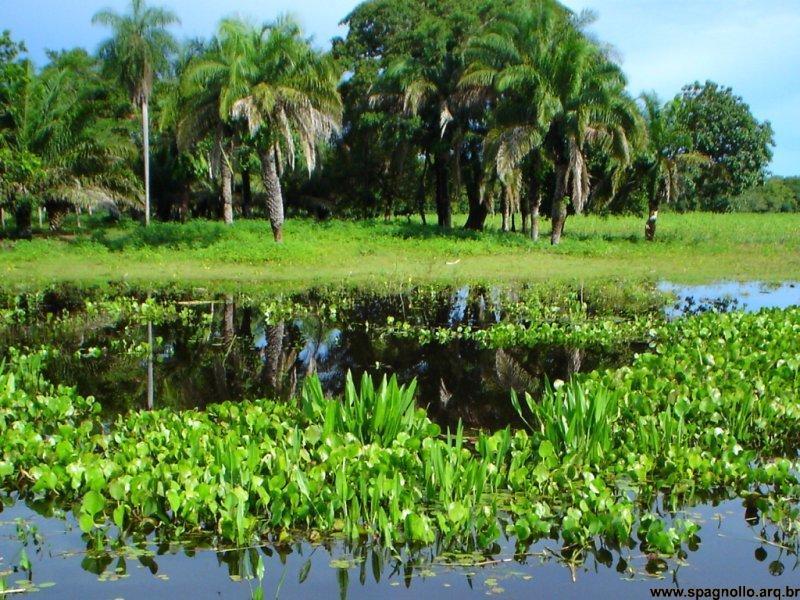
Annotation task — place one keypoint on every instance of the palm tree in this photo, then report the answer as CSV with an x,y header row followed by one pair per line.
x,y
211,85
137,53
593,109
292,100
505,68
66,131
668,154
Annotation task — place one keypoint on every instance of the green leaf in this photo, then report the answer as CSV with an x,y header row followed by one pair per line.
x,y
93,503
546,449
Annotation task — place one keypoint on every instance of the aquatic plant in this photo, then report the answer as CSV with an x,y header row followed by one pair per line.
x,y
713,406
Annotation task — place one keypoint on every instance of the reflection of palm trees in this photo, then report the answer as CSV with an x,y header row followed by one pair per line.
x,y
278,372
318,340
150,378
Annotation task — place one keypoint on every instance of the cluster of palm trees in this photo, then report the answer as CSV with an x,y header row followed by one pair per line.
x,y
529,100
264,88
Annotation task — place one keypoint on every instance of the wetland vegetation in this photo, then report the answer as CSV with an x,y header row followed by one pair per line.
x,y
580,421
279,320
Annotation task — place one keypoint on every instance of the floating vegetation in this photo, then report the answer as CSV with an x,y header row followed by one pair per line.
x,y
713,407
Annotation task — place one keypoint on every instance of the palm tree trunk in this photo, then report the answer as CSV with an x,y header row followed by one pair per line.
x,y
535,198
150,378
536,203
56,213
272,183
650,226
247,193
476,196
22,215
560,201
525,211
273,351
505,208
146,149
421,190
185,198
227,192
443,208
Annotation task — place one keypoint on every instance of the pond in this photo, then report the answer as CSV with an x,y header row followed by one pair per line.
x,y
230,348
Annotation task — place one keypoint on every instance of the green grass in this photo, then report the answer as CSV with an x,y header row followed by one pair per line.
x,y
691,248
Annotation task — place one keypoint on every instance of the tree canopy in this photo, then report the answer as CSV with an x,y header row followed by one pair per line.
x,y
455,105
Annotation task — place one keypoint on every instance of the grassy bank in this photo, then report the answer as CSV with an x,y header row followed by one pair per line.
x,y
691,248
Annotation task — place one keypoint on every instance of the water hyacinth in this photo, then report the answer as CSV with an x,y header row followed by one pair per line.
x,y
712,407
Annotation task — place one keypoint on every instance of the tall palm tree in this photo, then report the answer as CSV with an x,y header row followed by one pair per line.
x,y
211,85
505,70
669,153
292,100
138,52
593,109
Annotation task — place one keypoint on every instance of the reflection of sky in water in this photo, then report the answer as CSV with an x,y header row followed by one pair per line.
x,y
750,297
730,553
319,349
459,308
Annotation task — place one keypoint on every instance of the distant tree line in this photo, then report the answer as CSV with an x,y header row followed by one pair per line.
x,y
460,106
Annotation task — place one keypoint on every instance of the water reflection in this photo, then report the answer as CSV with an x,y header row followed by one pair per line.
x,y
730,296
229,351
735,546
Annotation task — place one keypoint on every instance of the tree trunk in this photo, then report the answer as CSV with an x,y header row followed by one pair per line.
x,y
478,211
273,352
150,378
185,197
228,327
560,201
421,190
525,210
247,194
536,203
146,149
534,199
3,217
505,209
650,226
443,208
476,220
272,183
22,215
56,212
227,192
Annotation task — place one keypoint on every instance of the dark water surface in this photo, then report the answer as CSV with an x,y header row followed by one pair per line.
x,y
229,352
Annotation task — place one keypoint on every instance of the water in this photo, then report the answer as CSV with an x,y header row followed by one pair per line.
x,y
748,296
733,549
229,352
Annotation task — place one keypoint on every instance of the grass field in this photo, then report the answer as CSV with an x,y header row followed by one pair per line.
x,y
691,248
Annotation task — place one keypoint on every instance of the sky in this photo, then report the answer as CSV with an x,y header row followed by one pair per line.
x,y
752,46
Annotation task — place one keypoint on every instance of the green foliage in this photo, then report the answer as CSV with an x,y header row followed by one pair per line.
x,y
711,407
724,130
572,421
372,416
775,195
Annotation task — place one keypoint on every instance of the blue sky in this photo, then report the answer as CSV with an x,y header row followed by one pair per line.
x,y
751,45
